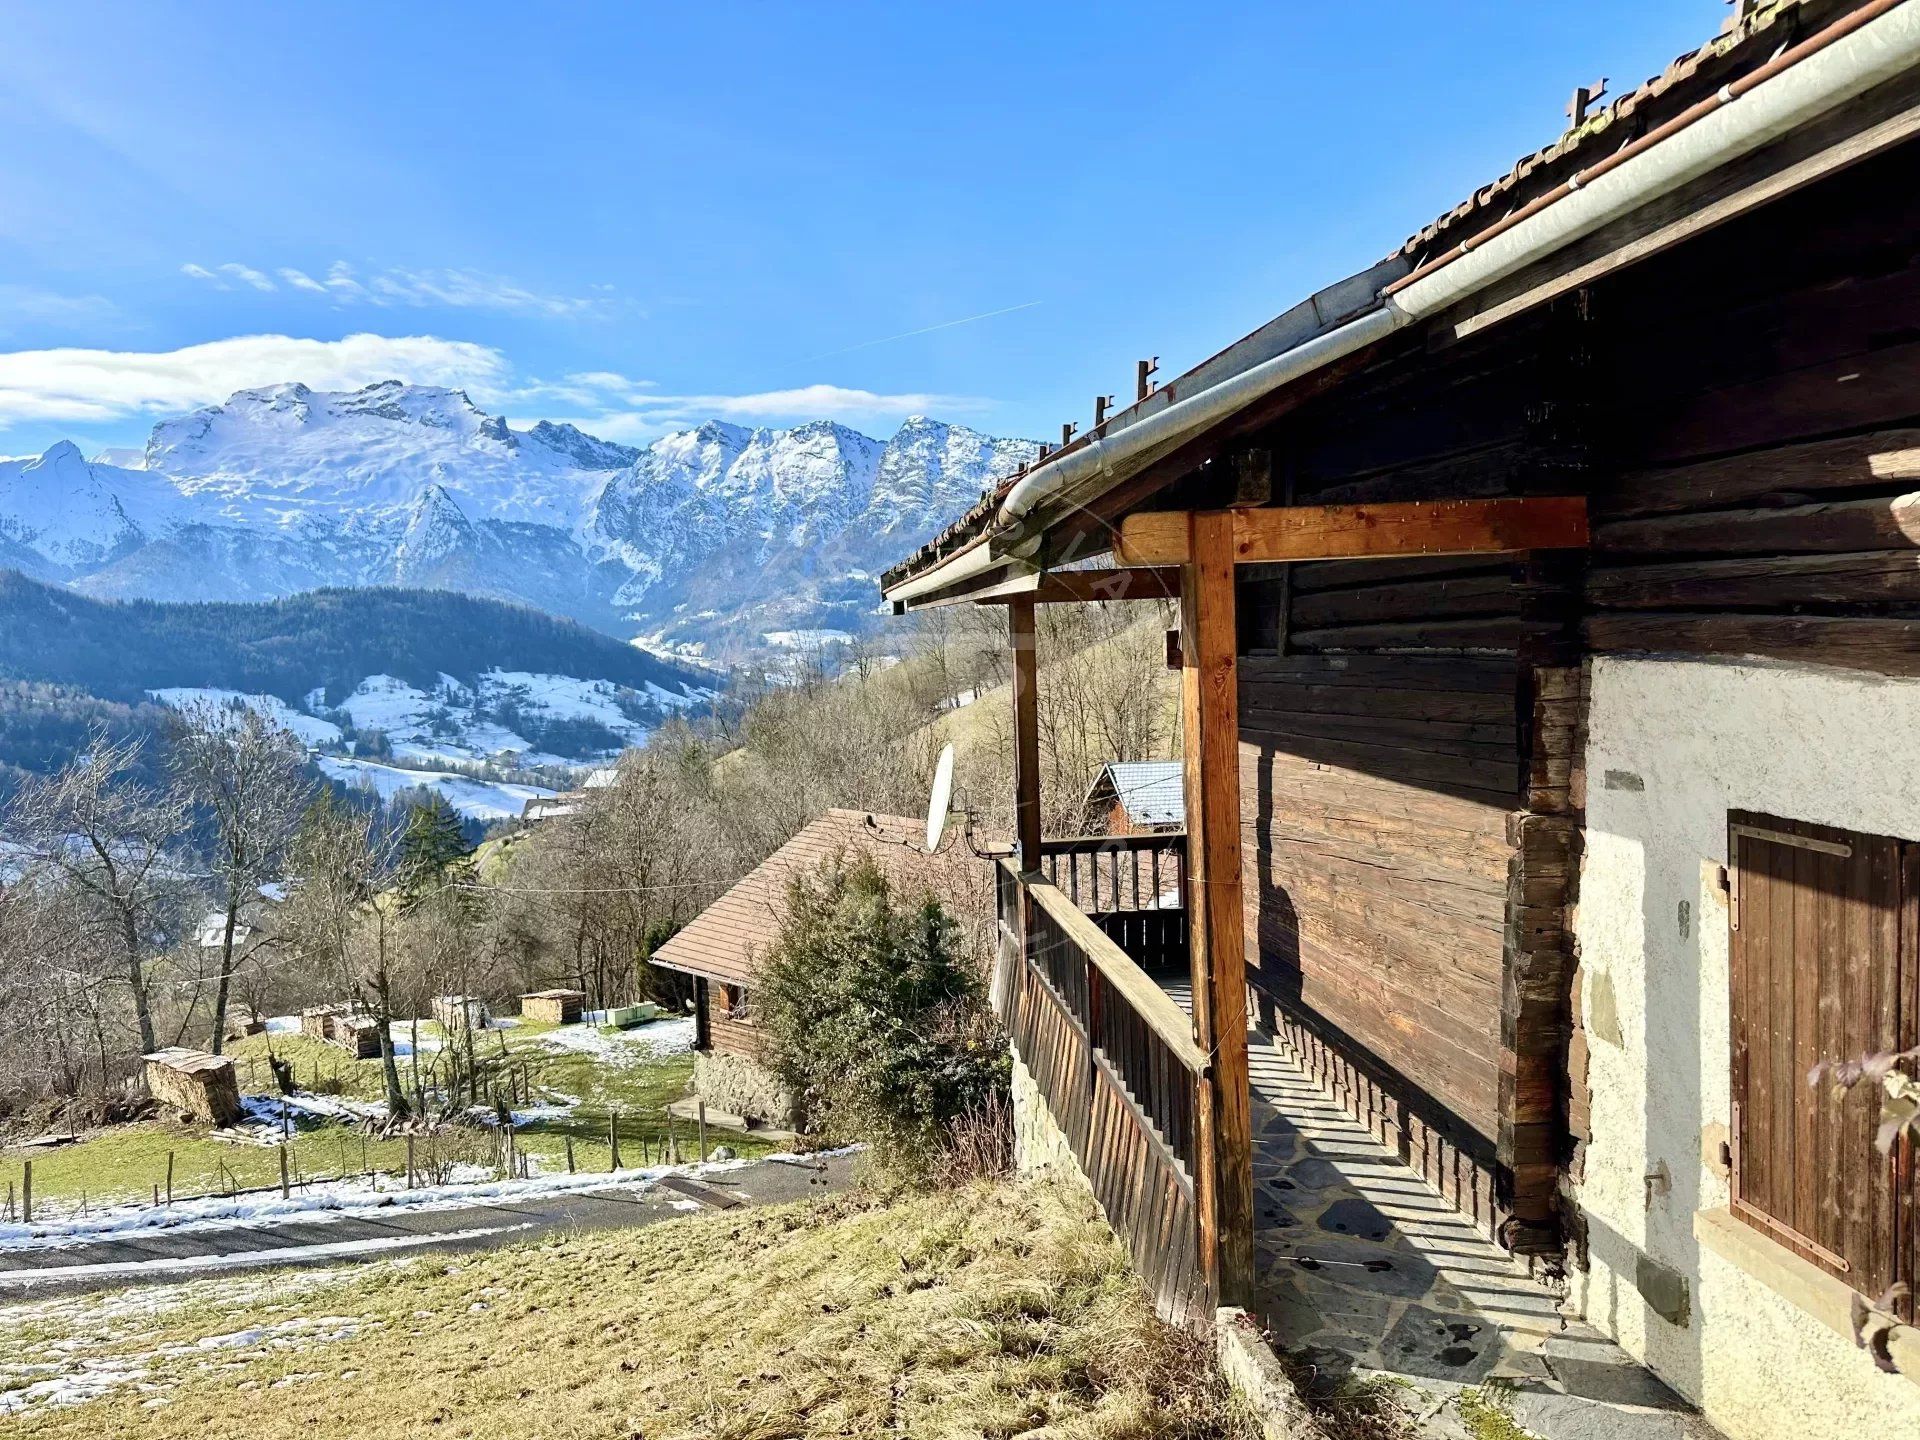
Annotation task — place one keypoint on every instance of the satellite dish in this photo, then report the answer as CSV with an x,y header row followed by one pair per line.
x,y
940,801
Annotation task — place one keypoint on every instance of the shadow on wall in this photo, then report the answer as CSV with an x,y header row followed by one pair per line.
x,y
1275,977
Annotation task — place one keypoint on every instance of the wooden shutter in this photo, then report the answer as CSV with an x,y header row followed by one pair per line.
x,y
1822,969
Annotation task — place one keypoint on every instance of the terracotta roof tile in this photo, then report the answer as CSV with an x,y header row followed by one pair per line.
x,y
724,942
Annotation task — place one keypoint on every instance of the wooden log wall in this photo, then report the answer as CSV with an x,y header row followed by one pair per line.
x,y
1764,391
1376,875
1403,926
727,1033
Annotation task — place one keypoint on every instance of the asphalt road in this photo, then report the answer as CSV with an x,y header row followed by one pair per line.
x,y
184,1254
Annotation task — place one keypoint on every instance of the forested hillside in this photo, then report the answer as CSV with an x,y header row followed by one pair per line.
x,y
331,639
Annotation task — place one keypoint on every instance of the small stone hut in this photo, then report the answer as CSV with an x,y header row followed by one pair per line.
x,y
197,1084
553,1007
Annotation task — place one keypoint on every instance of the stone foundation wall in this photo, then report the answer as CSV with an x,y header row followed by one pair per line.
x,y
739,1086
1039,1144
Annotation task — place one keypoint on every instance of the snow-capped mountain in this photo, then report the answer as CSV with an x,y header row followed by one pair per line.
x,y
711,539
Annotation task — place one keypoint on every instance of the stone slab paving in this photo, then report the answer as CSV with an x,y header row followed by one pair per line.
x,y
1364,1270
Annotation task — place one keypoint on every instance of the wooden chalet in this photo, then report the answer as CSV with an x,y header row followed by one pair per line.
x,y
722,947
1550,654
1138,797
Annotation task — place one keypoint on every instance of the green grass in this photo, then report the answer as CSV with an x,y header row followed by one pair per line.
x,y
126,1161
983,1310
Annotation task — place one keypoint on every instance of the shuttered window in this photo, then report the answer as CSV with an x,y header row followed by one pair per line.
x,y
1823,968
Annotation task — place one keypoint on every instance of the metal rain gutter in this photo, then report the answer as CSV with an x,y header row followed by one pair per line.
x,y
1861,50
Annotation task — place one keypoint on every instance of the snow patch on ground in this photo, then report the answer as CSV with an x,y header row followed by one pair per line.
x,y
621,1048
332,1200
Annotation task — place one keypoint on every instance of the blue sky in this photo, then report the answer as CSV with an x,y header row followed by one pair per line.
x,y
634,216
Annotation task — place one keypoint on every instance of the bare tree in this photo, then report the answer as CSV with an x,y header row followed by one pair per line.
x,y
249,776
109,835
342,918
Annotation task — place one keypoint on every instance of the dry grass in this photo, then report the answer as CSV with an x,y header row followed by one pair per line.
x,y
984,1310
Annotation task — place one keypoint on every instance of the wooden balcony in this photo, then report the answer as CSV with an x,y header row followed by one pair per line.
x,y
1110,1051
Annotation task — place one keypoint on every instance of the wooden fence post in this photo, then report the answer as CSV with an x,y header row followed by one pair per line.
x,y
283,1172
26,1192
569,1143
613,1138
700,1111
169,1177
409,1160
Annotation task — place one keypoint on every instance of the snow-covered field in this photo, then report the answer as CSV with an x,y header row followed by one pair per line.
x,y
310,729
480,799
450,723
807,639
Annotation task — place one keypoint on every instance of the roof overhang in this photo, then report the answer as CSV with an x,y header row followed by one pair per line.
x,y
1870,50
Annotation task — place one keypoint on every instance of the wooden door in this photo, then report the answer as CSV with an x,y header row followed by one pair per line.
x,y
1822,970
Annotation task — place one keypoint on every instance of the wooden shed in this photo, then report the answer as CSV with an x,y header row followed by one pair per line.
x,y
1137,797
195,1083
553,1007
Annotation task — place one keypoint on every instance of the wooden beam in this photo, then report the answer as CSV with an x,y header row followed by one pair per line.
x,y
1210,709
1063,587
1354,532
1026,733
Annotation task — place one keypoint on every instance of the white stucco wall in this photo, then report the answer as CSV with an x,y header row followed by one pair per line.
x,y
1673,745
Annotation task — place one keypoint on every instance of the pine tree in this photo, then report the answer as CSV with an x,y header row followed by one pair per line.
x,y
433,848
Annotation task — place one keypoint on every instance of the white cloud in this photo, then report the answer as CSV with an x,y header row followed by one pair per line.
x,y
451,289
224,277
79,385
92,386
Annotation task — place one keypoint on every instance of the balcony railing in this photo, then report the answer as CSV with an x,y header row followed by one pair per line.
x,y
1109,1050
1134,887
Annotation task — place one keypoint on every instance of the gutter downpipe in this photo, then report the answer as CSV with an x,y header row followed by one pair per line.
x,y
1861,50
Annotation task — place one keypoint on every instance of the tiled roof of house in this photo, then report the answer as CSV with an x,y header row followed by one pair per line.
x,y
1152,791
1749,39
724,942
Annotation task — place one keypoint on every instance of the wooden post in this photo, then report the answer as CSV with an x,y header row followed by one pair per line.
x,y
169,1177
569,1143
1210,711
1026,734
283,1172
26,1192
410,1161
700,1112
613,1138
